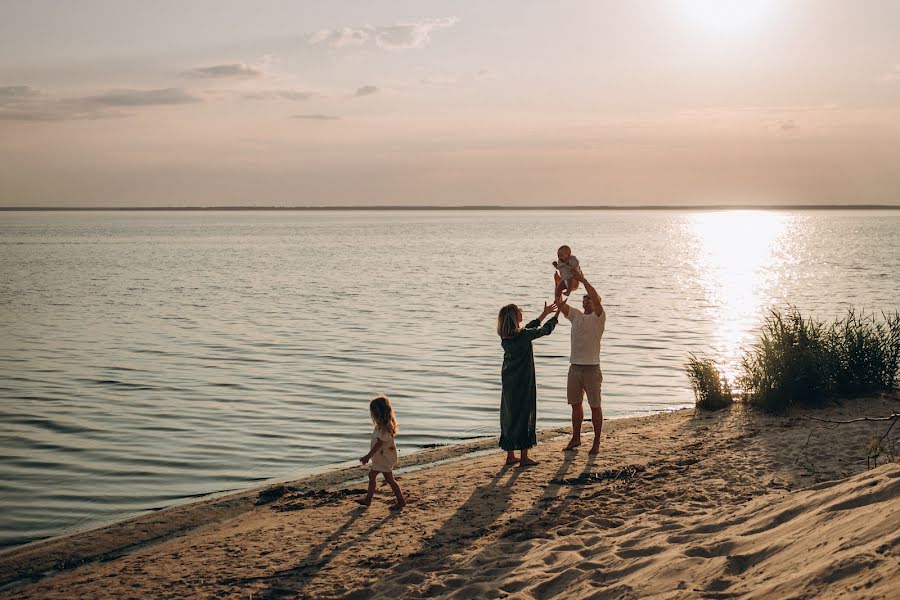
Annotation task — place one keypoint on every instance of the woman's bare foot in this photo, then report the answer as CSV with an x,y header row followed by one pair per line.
x,y
512,461
365,501
398,505
527,462
573,443
595,449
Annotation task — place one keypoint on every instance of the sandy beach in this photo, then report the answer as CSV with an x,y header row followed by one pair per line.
x,y
733,504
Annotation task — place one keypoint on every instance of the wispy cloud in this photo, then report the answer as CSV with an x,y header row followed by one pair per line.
x,y
142,97
410,35
400,36
449,79
16,93
366,90
788,125
227,71
893,74
293,95
340,38
316,117
23,103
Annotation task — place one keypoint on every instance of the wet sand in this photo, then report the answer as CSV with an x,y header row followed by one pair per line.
x,y
732,504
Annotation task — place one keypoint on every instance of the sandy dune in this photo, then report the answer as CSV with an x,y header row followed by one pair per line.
x,y
726,505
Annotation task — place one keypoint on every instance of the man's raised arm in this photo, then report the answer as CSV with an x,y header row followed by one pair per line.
x,y
595,297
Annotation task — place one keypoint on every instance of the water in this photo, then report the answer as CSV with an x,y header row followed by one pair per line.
x,y
150,357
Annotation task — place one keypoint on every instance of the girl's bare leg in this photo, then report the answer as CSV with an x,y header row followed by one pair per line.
x,y
401,501
373,475
557,286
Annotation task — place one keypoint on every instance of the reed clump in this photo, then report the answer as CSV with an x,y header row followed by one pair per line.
x,y
802,361
711,388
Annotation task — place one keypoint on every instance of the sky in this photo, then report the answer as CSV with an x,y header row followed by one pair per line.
x,y
515,103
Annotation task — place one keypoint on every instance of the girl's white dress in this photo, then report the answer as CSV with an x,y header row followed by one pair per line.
x,y
385,459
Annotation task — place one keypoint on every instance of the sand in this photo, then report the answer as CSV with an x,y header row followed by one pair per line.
x,y
732,504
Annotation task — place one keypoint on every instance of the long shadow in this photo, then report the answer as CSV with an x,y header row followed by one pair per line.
x,y
291,581
474,518
470,523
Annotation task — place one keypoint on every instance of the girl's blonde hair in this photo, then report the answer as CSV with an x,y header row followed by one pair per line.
x,y
508,321
383,414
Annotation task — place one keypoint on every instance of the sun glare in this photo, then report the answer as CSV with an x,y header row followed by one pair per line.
x,y
739,263
726,16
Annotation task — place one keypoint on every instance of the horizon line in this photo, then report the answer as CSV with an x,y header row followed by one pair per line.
x,y
459,207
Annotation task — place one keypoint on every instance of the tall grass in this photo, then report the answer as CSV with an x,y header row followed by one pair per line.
x,y
711,389
806,362
790,364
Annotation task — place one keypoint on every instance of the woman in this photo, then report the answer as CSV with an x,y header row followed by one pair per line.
x,y
518,401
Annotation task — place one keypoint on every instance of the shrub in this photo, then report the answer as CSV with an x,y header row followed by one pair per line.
x,y
789,364
806,362
711,389
864,356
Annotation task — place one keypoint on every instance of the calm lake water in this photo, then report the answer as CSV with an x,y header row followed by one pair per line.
x,y
150,357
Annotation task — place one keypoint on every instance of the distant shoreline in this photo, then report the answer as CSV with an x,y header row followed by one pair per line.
x,y
450,208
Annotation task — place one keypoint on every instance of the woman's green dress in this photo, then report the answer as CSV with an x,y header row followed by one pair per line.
x,y
518,400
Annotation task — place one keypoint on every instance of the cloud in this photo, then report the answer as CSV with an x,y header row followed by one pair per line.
x,y
316,117
450,79
16,93
400,36
892,75
293,95
142,97
366,90
340,38
23,103
410,35
228,71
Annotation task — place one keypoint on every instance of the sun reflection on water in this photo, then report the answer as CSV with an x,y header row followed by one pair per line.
x,y
739,258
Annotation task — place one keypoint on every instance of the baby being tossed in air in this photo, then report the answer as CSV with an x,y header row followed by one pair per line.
x,y
567,266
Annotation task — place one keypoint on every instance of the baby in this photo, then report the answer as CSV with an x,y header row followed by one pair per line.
x,y
564,280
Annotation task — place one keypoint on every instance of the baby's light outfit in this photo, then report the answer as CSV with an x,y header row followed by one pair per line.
x,y
567,268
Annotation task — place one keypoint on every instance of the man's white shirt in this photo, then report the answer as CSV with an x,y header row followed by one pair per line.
x,y
587,330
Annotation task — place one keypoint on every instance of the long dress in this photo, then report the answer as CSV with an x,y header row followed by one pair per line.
x,y
518,400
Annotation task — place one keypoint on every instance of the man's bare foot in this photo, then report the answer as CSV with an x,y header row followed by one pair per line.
x,y
512,461
527,462
573,443
595,449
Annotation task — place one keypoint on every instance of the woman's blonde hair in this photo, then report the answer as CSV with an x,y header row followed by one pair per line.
x,y
508,321
383,414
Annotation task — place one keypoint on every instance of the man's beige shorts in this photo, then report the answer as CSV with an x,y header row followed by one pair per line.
x,y
584,379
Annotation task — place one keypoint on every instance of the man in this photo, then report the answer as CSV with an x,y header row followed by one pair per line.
x,y
585,377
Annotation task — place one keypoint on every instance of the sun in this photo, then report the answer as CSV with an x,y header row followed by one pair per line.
x,y
726,16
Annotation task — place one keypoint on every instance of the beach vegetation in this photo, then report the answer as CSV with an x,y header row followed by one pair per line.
x,y
803,361
711,389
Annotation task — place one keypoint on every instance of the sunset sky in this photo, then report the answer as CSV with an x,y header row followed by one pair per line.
x,y
212,102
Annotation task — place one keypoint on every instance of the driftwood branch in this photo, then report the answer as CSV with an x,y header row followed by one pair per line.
x,y
834,423
893,416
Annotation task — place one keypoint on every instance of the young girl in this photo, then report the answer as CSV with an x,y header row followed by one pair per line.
x,y
382,450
